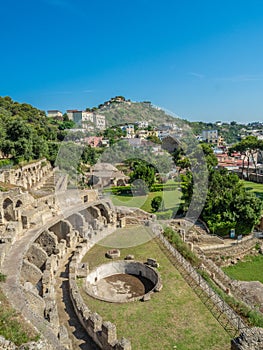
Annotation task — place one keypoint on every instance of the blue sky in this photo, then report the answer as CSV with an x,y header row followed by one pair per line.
x,y
203,60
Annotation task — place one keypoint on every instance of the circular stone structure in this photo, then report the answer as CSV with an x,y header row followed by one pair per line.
x,y
122,281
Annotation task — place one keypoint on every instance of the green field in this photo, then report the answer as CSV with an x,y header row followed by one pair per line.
x,y
174,318
171,200
254,187
248,270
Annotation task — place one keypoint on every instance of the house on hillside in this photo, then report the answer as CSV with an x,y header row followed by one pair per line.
x,y
210,136
129,129
55,113
75,115
87,119
104,175
99,121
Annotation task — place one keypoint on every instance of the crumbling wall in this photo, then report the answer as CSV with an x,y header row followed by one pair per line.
x,y
40,345
48,241
239,249
251,339
36,255
30,273
103,333
28,175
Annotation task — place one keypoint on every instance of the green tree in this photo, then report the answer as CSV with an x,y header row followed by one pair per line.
x,y
248,148
90,155
228,205
156,203
142,178
211,160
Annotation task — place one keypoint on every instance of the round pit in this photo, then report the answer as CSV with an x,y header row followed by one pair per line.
x,y
122,281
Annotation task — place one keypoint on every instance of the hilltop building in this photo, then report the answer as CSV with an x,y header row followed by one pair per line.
x,y
210,136
75,115
86,118
54,113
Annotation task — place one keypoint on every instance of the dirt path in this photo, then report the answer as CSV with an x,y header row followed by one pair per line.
x,y
67,316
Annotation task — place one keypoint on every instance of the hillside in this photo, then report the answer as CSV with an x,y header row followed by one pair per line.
x,y
26,133
119,111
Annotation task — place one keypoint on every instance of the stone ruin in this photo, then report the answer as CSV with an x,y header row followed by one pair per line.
x,y
251,339
103,333
27,176
123,281
113,253
20,211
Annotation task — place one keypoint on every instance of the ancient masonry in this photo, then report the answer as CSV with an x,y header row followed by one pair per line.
x,y
41,251
37,237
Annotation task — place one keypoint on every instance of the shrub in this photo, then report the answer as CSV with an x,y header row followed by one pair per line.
x,y
2,277
156,203
5,162
163,187
181,246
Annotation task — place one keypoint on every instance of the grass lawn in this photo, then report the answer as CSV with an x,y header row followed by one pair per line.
x,y
174,318
12,326
254,187
171,200
248,270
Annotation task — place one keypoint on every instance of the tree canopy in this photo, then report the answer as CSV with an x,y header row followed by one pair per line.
x,y
142,178
26,133
248,147
229,206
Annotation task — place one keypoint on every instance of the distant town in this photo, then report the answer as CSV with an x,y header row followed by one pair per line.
x,y
90,125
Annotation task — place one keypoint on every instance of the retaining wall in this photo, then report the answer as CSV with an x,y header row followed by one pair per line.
x,y
103,333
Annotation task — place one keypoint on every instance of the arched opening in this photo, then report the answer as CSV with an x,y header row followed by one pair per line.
x,y
121,182
104,212
19,203
9,214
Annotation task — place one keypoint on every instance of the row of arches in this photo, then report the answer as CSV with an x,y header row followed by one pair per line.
x,y
10,208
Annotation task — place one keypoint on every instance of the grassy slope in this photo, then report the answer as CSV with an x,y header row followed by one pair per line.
x,y
173,317
171,199
248,270
254,187
124,113
12,326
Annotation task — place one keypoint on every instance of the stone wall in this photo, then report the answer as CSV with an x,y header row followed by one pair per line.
x,y
12,203
123,267
30,273
40,345
251,339
37,255
27,176
42,257
102,332
239,249
133,216
251,296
